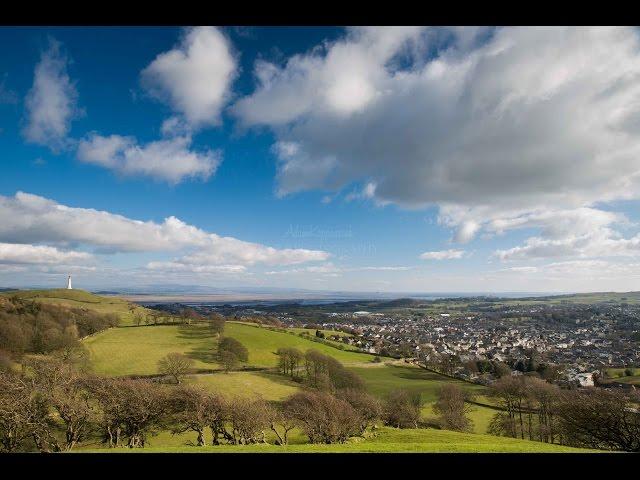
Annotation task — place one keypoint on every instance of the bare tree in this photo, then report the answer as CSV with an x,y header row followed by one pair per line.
x,y
217,323
65,391
280,423
544,398
24,416
511,395
138,317
132,409
175,365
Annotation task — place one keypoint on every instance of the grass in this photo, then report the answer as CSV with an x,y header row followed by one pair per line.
x,y
263,344
384,378
268,385
136,350
387,440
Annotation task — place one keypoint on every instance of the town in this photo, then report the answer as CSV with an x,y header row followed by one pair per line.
x,y
574,343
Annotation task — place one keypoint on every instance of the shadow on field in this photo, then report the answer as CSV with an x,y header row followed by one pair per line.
x,y
276,377
204,351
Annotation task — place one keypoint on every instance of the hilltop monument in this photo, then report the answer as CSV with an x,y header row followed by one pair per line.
x,y
69,283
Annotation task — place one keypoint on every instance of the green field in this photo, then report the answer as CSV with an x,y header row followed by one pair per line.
x,y
130,350
136,350
618,375
268,385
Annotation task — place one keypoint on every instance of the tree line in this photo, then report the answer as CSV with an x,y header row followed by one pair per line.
x,y
534,409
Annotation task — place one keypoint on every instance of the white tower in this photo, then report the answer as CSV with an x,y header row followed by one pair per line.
x,y
69,283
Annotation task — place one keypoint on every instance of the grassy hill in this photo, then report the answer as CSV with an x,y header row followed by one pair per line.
x,y
136,350
131,350
81,299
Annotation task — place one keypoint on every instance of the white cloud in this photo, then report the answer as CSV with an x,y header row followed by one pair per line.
x,y
170,160
443,255
520,270
28,218
38,254
333,80
51,104
492,126
178,267
602,243
194,77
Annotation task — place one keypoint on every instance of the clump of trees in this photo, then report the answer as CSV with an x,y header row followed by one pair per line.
x,y
316,370
402,409
231,353
598,418
216,323
452,408
31,327
593,417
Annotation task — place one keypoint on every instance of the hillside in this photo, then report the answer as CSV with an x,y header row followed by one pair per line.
x,y
135,350
81,299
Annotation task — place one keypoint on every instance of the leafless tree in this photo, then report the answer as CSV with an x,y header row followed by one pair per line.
x,y
175,365
280,423
65,390
24,416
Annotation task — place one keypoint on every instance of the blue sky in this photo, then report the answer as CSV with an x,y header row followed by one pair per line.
x,y
366,159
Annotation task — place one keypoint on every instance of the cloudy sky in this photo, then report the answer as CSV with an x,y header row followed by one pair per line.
x,y
363,159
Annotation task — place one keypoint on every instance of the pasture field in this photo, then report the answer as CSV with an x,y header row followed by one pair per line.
x,y
136,350
268,385
381,379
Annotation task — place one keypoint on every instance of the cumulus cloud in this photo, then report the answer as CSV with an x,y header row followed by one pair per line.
x,y
493,126
598,244
51,104
443,255
581,232
194,77
171,160
27,218
38,254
